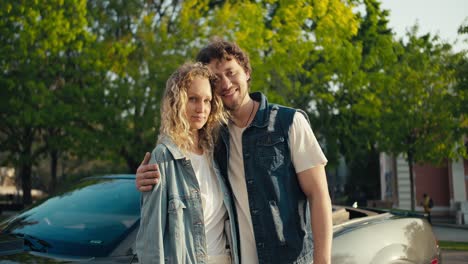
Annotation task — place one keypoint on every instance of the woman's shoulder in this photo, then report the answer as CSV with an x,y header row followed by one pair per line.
x,y
166,150
161,153
160,147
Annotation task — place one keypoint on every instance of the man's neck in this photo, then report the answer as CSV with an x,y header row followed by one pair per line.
x,y
244,115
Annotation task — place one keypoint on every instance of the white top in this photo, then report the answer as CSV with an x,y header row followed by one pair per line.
x,y
214,210
305,154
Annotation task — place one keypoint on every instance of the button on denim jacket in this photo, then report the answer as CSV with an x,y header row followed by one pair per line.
x,y
278,207
172,228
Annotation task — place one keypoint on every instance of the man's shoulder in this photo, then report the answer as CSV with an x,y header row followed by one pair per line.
x,y
288,114
282,109
286,109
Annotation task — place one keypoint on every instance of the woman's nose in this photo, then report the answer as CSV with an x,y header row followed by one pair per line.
x,y
200,107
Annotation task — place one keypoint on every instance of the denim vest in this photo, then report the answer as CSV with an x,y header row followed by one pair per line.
x,y
278,206
172,228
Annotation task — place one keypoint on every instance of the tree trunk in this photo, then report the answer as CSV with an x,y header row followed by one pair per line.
x,y
25,172
25,164
53,170
132,164
410,165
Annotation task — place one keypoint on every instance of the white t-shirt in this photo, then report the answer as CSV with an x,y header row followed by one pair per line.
x,y
305,154
214,210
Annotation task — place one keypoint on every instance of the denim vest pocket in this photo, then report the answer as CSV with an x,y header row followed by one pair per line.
x,y
176,230
278,222
270,151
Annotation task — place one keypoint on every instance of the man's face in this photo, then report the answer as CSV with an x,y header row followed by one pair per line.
x,y
231,84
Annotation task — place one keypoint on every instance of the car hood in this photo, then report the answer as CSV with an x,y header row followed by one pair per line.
x,y
32,257
12,251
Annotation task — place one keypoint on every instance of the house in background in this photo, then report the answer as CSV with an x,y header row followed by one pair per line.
x,y
10,190
446,184
7,181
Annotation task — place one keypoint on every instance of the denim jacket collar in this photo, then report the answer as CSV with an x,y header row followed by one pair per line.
x,y
263,115
172,147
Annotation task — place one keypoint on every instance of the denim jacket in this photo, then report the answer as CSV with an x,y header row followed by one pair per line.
x,y
172,227
278,206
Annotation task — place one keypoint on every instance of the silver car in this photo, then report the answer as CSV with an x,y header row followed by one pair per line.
x,y
376,237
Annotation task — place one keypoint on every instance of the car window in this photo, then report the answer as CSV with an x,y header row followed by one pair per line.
x,y
90,220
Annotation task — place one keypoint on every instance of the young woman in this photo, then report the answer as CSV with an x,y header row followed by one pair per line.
x,y
188,216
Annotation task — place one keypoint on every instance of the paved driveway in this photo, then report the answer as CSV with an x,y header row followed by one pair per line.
x,y
454,257
452,234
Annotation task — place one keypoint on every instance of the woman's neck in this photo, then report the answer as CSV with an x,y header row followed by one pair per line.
x,y
196,148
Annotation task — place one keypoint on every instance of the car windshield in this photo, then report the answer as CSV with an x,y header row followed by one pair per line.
x,y
87,221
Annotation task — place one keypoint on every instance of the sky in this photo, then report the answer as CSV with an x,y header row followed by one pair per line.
x,y
435,16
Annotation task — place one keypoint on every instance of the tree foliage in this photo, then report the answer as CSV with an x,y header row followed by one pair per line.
x,y
35,36
50,68
160,36
419,113
85,78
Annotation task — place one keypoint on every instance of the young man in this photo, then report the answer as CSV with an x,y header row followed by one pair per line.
x,y
274,165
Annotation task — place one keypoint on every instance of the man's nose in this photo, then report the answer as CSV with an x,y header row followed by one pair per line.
x,y
225,82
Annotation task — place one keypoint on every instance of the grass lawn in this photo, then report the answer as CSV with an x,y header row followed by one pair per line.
x,y
450,245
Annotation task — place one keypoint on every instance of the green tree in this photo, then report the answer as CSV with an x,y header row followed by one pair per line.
x,y
419,113
355,124
161,35
54,70
164,35
462,78
293,47
33,38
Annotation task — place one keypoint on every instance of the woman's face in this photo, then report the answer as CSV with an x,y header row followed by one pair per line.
x,y
199,102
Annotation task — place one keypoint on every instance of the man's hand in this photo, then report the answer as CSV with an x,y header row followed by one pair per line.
x,y
147,175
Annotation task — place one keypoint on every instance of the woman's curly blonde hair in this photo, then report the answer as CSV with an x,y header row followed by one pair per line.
x,y
174,123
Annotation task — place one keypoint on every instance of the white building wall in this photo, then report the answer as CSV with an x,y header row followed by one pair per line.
x,y
458,181
387,177
403,183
